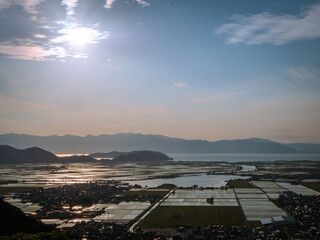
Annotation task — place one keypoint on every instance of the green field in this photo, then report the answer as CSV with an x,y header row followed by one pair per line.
x,y
170,217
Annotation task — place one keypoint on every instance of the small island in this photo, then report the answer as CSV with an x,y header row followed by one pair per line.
x,y
112,154
142,156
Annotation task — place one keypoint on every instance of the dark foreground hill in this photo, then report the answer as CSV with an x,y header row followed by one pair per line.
x,y
142,156
126,142
13,220
10,155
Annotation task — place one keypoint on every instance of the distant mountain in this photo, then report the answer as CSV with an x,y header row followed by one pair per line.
x,y
126,142
10,155
142,156
112,154
305,147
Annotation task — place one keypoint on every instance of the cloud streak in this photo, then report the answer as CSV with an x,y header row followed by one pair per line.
x,y
70,5
180,85
28,5
143,3
29,51
272,29
304,75
109,3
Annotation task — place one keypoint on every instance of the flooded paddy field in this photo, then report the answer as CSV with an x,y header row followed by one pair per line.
x,y
15,177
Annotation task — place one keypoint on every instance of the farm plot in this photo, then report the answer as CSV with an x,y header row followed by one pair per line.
x,y
27,208
183,197
259,210
313,184
272,189
256,205
298,189
215,193
199,202
123,212
170,217
266,185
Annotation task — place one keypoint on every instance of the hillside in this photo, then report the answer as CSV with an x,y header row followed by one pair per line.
x,y
126,142
306,147
13,220
10,155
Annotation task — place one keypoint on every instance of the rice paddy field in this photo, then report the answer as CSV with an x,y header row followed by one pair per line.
x,y
298,189
199,198
191,208
27,208
237,206
170,217
123,212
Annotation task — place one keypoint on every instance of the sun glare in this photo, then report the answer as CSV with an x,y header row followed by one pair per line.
x,y
79,36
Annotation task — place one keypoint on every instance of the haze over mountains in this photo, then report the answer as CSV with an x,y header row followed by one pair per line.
x,y
132,142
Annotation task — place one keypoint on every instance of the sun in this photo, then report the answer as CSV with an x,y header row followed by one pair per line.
x,y
79,35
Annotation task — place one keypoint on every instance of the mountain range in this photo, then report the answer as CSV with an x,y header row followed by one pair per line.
x,y
132,141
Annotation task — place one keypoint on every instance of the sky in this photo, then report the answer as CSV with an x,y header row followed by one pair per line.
x,y
205,69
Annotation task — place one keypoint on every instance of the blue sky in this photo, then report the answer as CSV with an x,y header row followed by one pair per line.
x,y
191,69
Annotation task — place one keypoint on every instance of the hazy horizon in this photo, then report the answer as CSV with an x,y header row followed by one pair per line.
x,y
208,70
156,134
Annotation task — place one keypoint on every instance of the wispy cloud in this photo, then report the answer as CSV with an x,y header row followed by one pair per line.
x,y
180,85
70,5
28,5
81,55
143,3
303,75
29,51
273,29
109,3
116,68
39,35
